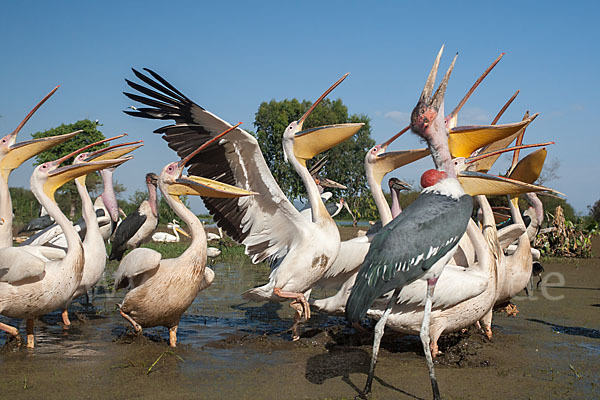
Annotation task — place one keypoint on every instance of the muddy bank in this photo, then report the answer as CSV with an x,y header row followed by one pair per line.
x,y
228,348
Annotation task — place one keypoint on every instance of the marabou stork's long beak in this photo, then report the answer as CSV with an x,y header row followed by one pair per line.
x,y
399,184
60,176
199,186
326,182
23,151
310,142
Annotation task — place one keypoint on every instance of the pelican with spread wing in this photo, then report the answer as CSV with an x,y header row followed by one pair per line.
x,y
267,224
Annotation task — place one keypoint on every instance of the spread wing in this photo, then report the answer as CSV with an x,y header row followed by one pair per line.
x,y
267,223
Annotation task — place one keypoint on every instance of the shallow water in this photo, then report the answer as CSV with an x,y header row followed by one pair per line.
x,y
228,347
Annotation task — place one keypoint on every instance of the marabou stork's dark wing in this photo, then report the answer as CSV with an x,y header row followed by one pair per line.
x,y
267,223
407,247
125,231
37,224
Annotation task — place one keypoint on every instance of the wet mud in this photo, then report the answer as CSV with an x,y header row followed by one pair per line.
x,y
229,348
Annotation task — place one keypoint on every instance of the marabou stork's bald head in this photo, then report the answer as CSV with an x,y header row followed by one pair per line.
x,y
427,118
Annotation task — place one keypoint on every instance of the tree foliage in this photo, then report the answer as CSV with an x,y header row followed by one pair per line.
x,y
346,161
595,211
90,134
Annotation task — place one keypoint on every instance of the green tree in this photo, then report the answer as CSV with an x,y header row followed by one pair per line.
x,y
346,161
68,193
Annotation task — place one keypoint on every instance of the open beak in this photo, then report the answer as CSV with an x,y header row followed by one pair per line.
x,y
114,152
310,142
476,183
452,118
21,152
485,164
530,167
389,161
199,186
464,140
62,175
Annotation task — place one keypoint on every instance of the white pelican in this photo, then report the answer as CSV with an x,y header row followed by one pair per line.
x,y
29,286
138,227
94,251
167,237
268,224
162,289
12,155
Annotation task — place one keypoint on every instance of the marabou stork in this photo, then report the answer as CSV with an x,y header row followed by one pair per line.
x,y
423,238
94,251
31,286
138,227
162,289
12,155
39,223
268,224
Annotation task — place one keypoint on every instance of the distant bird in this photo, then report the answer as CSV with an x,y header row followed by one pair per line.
x,y
267,224
419,242
31,286
167,237
212,252
138,227
161,290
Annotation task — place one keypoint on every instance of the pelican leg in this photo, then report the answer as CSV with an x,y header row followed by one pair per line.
x,y
486,322
65,317
425,340
300,304
173,336
29,330
11,330
137,327
379,328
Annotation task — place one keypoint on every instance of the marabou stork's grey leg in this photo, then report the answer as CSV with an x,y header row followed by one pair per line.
x,y
379,328
425,340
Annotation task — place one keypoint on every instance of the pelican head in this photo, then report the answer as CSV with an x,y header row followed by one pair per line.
x,y
303,145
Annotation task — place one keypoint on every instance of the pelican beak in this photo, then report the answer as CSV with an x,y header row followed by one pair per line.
x,y
198,186
310,142
530,167
62,175
184,233
464,140
114,152
452,118
21,152
476,183
389,161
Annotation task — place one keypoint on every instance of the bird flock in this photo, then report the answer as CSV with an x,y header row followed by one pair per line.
x,y
433,268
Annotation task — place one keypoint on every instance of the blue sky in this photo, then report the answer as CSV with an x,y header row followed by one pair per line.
x,y
231,56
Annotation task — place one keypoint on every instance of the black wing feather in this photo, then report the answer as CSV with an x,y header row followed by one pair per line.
x,y
125,231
